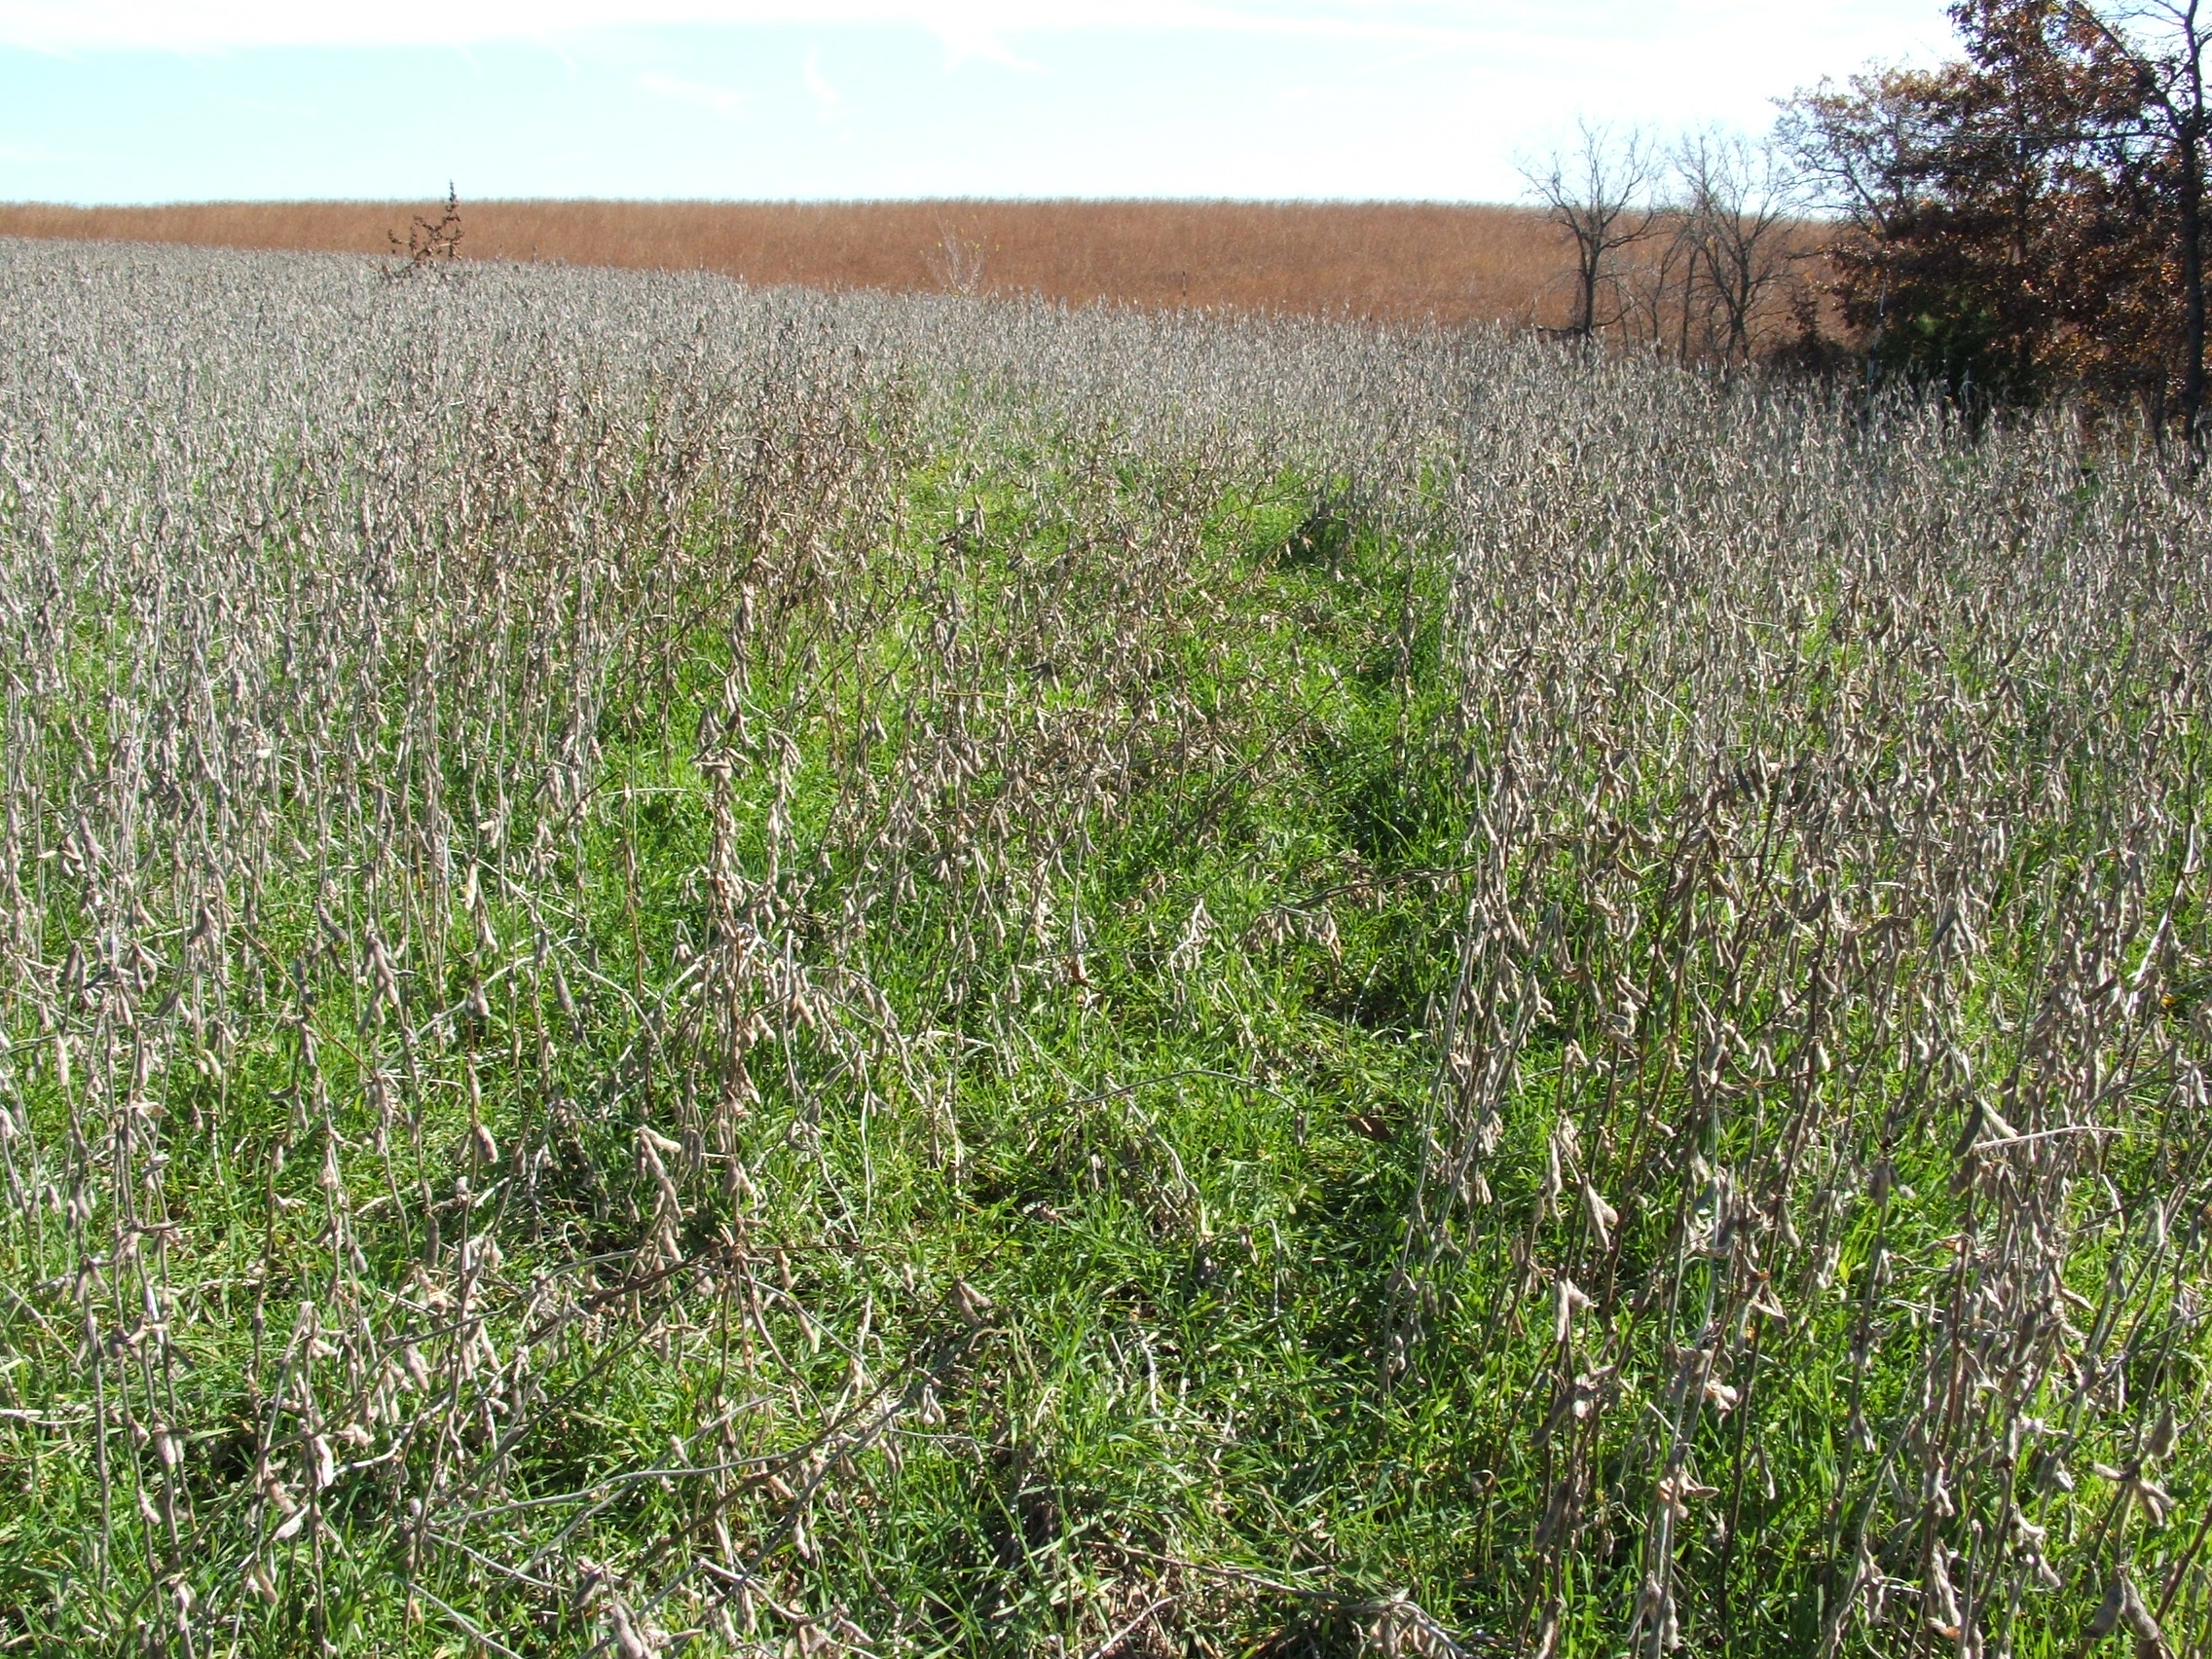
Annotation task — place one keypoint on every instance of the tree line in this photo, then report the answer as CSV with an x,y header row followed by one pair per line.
x,y
2021,223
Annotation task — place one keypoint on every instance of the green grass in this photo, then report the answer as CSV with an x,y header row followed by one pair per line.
x,y
1158,1187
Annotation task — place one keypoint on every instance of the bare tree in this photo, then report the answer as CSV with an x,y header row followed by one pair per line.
x,y
1598,190
1863,151
1740,197
1663,289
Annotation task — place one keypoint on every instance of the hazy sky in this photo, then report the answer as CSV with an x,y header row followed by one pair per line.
x,y
145,100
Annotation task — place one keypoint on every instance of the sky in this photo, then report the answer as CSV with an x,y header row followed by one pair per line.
x,y
168,100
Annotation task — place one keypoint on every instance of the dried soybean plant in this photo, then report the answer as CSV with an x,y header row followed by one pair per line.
x,y
1821,1105
604,877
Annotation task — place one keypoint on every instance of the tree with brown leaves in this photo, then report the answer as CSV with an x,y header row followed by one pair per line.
x,y
2026,222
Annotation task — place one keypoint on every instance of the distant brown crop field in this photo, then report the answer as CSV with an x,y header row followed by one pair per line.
x,y
1382,260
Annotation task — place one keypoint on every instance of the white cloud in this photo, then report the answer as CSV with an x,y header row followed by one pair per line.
x,y
721,100
1707,41
1313,97
970,28
818,87
963,42
1595,52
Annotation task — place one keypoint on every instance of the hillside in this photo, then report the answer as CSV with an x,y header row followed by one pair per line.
x,y
1406,262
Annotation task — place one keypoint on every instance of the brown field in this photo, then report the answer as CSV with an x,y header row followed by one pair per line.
x,y
1397,261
